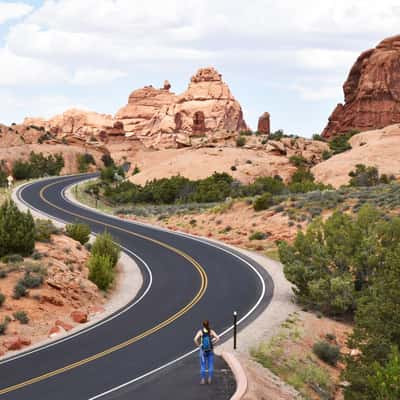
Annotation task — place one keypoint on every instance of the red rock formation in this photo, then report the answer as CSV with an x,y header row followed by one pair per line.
x,y
79,316
371,91
264,124
142,105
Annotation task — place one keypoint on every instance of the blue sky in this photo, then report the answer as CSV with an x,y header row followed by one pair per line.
x,y
289,58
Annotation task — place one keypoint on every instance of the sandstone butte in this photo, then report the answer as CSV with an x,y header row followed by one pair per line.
x,y
158,118
161,118
371,91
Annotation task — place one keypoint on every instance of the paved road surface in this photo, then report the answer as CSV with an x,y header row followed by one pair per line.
x,y
185,281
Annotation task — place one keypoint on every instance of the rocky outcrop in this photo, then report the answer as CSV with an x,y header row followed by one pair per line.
x,y
371,91
75,126
379,148
264,126
142,105
162,119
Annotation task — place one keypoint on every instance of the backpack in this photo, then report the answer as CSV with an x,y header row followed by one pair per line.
x,y
206,341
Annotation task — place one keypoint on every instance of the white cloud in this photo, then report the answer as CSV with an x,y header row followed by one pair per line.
x,y
9,11
20,70
93,76
310,93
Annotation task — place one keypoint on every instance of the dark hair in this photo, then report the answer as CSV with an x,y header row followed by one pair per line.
x,y
206,325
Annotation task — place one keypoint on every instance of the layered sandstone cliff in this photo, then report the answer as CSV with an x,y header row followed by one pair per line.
x,y
371,91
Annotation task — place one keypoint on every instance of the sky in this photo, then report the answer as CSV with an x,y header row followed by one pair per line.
x,y
287,57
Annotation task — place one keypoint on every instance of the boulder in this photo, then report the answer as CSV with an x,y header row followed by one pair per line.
x,y
371,91
79,316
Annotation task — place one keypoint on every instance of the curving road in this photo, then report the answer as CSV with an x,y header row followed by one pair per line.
x,y
186,280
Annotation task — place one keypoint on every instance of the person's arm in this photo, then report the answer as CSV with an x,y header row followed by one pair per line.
x,y
197,338
214,336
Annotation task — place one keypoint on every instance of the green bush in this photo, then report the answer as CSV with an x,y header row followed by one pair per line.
x,y
37,166
22,317
136,170
44,228
327,352
19,290
107,160
340,143
3,327
105,246
2,299
257,236
263,202
101,271
84,161
240,141
318,137
31,281
364,176
326,155
298,161
17,230
79,232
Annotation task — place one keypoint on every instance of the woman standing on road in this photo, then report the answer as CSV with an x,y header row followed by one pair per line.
x,y
205,339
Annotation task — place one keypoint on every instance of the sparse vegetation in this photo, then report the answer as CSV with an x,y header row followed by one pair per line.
x,y
240,141
44,228
2,299
340,143
263,202
79,232
22,317
327,352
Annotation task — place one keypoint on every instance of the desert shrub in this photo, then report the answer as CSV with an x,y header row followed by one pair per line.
x,y
246,133
233,168
257,236
364,176
107,160
2,299
3,274
22,317
327,352
111,173
44,228
318,137
105,246
79,232
340,143
19,290
240,141
3,327
101,271
263,202
31,281
12,259
17,230
326,155
335,260
273,185
38,165
298,161
84,161
36,255
136,170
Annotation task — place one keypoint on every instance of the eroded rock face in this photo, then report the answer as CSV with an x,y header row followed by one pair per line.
x,y
142,105
161,119
371,91
264,124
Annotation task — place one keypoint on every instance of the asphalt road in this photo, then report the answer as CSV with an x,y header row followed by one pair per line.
x,y
185,281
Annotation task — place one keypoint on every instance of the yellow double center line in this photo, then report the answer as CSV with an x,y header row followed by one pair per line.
x,y
181,312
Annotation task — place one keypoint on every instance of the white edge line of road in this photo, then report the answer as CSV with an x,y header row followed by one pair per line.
x,y
96,325
116,388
